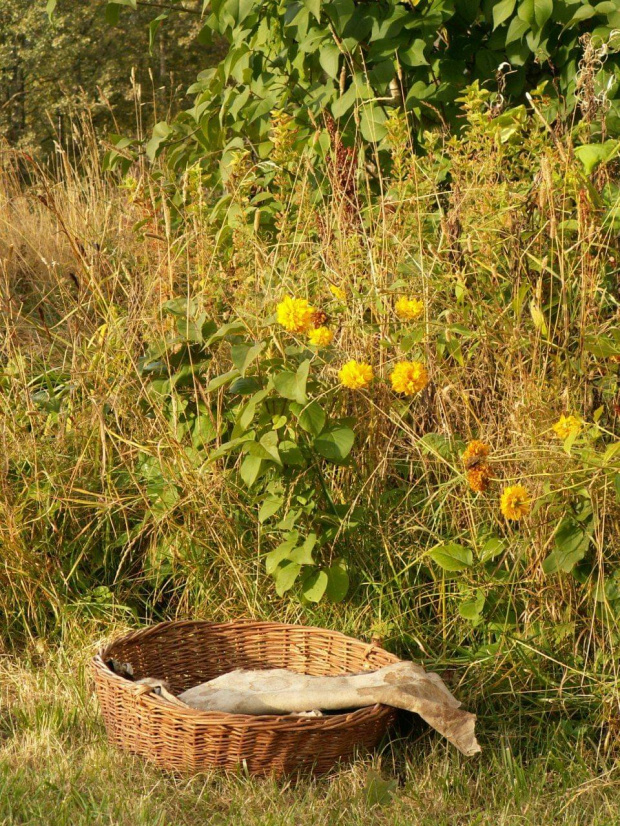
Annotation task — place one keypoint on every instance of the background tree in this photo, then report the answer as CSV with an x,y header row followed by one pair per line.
x,y
51,69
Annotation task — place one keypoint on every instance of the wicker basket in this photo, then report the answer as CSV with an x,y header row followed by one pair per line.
x,y
188,653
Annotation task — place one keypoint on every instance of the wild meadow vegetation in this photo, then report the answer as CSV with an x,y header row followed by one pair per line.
x,y
359,371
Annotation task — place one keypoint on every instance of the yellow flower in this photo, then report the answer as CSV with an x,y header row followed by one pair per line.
x,y
320,337
355,374
479,478
515,502
408,308
295,314
475,452
566,426
338,292
409,377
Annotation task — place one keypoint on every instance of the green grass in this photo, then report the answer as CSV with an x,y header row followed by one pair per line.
x,y
56,768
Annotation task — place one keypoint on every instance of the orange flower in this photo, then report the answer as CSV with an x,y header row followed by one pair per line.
x,y
475,453
479,478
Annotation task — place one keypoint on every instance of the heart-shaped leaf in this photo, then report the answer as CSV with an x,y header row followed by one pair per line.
x,y
452,557
335,443
250,469
286,576
275,557
337,581
314,586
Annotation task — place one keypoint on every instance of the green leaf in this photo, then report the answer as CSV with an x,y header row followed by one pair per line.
x,y
371,123
204,430
243,355
293,385
227,447
286,576
314,586
438,445
161,131
50,6
112,14
516,30
311,417
275,557
248,411
584,12
245,386
179,307
250,469
232,328
452,557
342,105
536,12
314,7
414,55
471,609
271,505
190,330
286,384
502,11
269,442
220,381
329,57
337,581
291,454
592,154
335,443
303,371
377,792
572,540
493,547
303,554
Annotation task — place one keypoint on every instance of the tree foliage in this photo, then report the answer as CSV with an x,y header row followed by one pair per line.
x,y
354,60
53,68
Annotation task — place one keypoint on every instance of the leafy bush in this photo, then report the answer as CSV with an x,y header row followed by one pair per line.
x,y
353,62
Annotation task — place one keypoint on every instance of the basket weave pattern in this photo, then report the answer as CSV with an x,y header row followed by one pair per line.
x,y
188,653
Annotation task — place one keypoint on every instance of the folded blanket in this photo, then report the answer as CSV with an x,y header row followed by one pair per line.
x,y
279,691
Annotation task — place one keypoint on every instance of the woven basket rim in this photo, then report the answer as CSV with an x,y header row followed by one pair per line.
x,y
280,721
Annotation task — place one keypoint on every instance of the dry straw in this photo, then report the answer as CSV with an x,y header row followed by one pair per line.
x,y
188,653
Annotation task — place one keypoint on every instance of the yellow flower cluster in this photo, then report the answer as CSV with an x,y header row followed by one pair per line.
x,y
515,502
408,308
355,375
320,337
298,316
295,314
409,377
567,426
